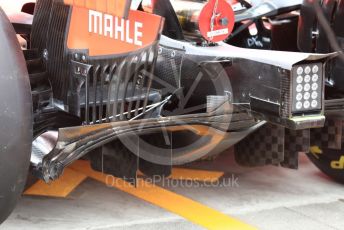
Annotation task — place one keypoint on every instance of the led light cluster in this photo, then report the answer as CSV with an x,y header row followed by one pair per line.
x,y
307,88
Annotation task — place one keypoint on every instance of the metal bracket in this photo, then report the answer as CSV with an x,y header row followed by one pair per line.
x,y
80,74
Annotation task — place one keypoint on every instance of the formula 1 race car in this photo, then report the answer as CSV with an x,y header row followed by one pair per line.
x,y
125,85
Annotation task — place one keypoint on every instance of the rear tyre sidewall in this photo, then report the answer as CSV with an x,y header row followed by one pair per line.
x,y
15,119
323,162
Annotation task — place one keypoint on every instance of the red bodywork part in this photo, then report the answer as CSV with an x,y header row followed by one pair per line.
x,y
216,20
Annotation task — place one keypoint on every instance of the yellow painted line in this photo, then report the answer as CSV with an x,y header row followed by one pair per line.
x,y
192,175
183,206
59,188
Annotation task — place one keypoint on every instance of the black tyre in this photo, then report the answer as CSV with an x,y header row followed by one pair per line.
x,y
329,161
15,119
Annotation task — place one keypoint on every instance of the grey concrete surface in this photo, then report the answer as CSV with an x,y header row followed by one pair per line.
x,y
269,198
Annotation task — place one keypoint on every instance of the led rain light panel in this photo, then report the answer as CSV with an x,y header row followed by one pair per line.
x,y
307,88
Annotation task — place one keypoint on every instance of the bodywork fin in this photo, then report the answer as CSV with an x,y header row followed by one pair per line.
x,y
273,145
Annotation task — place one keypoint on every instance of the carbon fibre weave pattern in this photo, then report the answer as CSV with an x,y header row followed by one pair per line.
x,y
168,69
113,87
330,136
263,147
295,141
272,145
48,34
41,20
